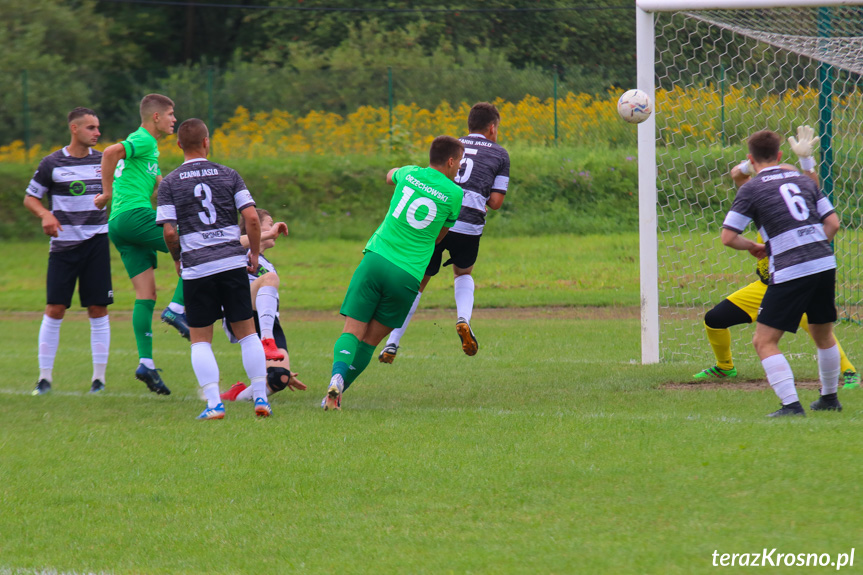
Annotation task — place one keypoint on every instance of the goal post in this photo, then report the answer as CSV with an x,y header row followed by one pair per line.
x,y
716,71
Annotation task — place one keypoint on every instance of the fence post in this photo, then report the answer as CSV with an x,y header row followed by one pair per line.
x,y
825,106
555,105
26,114
210,119
390,101
722,106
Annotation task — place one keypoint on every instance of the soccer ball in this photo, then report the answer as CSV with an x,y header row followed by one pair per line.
x,y
634,106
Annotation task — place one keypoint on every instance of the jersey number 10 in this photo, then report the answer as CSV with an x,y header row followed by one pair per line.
x,y
411,215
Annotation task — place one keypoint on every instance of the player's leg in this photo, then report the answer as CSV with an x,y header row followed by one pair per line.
x,y
850,376
822,313
738,308
204,362
388,354
265,300
279,374
397,294
96,293
237,304
781,309
135,235
175,314
60,284
464,251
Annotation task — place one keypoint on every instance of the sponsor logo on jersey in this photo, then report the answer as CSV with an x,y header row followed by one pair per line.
x,y
213,234
77,188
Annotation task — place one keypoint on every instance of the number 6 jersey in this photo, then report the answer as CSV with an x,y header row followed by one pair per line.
x,y
424,201
204,199
787,208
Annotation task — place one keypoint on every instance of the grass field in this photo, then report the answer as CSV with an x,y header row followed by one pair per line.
x,y
551,451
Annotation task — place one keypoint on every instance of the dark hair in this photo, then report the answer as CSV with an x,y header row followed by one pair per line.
x,y
79,112
152,103
192,133
261,215
764,146
443,148
482,115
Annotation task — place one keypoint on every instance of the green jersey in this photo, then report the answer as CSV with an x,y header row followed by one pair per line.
x,y
425,201
135,176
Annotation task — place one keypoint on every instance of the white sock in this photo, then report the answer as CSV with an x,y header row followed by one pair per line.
x,y
267,302
148,362
464,288
781,378
49,341
255,364
211,394
397,334
176,308
828,369
206,371
100,343
245,395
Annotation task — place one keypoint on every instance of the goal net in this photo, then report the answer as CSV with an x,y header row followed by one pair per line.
x,y
720,75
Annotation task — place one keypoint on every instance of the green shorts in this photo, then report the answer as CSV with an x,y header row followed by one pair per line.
x,y
137,237
380,290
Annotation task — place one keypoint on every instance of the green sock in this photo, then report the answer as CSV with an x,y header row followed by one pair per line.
x,y
142,325
344,352
364,355
178,294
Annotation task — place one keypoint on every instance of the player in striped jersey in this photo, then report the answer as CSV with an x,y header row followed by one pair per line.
x,y
798,224
742,306
484,179
198,204
264,285
70,178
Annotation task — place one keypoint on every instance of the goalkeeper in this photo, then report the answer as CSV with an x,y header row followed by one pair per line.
x,y
742,306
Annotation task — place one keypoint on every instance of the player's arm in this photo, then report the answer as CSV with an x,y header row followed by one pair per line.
x,y
110,158
441,234
156,187
733,239
50,225
172,240
741,173
501,183
390,175
831,226
253,236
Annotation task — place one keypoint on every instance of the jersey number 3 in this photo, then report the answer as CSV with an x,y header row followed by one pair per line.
x,y
411,216
205,194
795,202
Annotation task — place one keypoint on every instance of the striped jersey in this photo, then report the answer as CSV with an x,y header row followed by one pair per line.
x,y
484,169
71,184
787,208
203,199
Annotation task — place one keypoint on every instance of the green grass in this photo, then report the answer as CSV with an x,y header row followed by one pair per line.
x,y
551,451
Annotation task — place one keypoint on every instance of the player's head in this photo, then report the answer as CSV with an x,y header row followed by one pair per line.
x,y
764,147
445,155
158,110
193,137
484,119
84,125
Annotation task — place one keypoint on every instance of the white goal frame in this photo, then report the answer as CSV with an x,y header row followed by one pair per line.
x,y
647,135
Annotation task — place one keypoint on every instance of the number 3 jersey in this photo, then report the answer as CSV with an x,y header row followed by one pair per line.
x,y
424,201
203,199
787,208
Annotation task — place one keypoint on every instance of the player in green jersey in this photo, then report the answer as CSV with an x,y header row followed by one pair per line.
x,y
384,286
130,177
